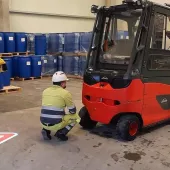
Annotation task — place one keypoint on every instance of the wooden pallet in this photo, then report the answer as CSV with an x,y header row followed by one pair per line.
x,y
30,78
47,75
74,54
56,54
6,54
83,54
74,77
71,54
10,89
21,53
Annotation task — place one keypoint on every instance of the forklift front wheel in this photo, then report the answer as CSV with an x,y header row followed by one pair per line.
x,y
86,121
127,127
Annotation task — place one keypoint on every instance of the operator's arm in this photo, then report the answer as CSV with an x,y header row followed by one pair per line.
x,y
69,103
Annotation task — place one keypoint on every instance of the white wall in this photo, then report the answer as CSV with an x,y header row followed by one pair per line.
x,y
4,15
52,15
116,2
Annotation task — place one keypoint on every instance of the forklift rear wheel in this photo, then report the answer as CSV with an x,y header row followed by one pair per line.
x,y
127,127
86,121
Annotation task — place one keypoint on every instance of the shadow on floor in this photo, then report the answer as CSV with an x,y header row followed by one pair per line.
x,y
109,131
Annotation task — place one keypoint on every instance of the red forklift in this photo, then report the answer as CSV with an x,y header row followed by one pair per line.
x,y
127,76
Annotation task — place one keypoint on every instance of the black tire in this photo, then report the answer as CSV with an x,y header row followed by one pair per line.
x,y
124,125
86,121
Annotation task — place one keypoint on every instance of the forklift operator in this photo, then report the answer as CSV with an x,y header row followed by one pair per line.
x,y
53,116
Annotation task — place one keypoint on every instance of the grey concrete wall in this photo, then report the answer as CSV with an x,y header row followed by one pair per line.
x,y
4,15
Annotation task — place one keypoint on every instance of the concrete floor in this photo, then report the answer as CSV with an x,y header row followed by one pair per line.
x,y
19,112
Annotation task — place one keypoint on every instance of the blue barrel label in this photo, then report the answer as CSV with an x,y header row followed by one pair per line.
x,y
11,38
28,63
22,39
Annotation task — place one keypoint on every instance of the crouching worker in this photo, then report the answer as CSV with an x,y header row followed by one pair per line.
x,y
53,115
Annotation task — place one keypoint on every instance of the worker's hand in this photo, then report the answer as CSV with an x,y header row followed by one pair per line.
x,y
78,120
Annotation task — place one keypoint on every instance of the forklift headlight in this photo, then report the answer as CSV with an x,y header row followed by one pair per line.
x,y
94,9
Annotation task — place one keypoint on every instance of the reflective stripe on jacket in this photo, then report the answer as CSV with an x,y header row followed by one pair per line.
x,y
54,101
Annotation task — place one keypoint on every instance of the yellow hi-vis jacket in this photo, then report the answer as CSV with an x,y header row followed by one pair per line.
x,y
54,101
3,66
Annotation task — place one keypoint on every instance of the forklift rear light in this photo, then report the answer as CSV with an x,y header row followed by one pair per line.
x,y
87,97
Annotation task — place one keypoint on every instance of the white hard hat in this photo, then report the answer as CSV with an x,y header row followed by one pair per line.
x,y
59,76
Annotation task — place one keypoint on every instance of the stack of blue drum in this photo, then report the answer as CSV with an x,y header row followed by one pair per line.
x,y
121,35
13,42
1,81
85,39
21,42
26,66
49,64
9,42
2,46
31,42
43,45
71,42
22,67
6,76
82,65
68,64
55,43
40,44
71,65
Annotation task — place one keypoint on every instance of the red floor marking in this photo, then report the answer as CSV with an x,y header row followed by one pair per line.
x,y
5,136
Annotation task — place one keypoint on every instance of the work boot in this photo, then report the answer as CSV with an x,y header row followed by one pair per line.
x,y
46,134
61,136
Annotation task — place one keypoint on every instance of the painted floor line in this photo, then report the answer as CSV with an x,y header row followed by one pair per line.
x,y
2,134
